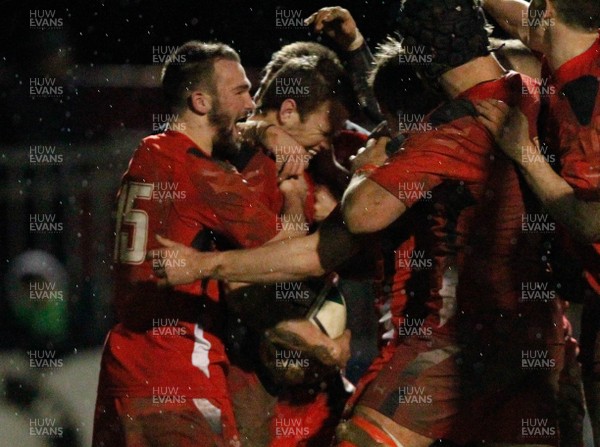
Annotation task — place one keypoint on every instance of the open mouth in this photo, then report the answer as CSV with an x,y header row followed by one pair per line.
x,y
312,152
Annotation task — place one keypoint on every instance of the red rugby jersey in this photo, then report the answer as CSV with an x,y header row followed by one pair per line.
x,y
574,134
171,338
260,171
467,206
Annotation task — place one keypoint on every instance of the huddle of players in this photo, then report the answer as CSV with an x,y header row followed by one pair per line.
x,y
462,362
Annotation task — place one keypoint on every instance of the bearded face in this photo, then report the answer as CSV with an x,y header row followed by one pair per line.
x,y
224,141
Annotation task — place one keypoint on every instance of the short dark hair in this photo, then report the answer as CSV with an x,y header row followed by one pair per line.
x,y
582,14
310,82
192,66
290,51
396,84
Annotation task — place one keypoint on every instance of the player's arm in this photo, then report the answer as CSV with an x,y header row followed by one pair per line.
x,y
242,216
511,129
513,17
293,221
291,158
581,217
284,260
337,23
367,206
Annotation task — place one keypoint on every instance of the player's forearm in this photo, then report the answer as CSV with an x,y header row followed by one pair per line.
x,y
359,63
287,260
580,217
292,223
367,207
511,15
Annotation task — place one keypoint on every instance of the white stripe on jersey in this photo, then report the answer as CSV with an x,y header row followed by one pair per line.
x,y
211,413
202,347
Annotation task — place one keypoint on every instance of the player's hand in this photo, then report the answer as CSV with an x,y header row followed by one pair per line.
x,y
339,25
510,129
294,189
291,158
493,115
373,153
304,336
342,350
177,264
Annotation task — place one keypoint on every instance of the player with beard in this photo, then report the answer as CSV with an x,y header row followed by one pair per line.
x,y
331,246
485,409
162,377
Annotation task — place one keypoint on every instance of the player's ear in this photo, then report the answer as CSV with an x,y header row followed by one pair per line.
x,y
537,10
549,9
288,112
200,102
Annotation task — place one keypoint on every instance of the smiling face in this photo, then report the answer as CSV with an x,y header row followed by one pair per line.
x,y
231,103
318,127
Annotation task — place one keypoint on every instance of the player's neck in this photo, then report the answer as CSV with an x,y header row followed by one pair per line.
x,y
198,130
476,71
565,43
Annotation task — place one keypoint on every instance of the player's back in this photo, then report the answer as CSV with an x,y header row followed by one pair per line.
x,y
468,205
573,134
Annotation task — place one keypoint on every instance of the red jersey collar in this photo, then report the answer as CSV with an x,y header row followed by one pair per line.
x,y
578,66
496,88
186,142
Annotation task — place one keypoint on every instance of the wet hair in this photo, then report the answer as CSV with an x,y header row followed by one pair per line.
x,y
452,32
582,14
190,67
290,51
310,81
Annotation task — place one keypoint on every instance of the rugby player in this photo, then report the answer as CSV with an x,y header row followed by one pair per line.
x,y
566,33
162,376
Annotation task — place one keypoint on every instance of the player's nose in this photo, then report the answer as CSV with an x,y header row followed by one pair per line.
x,y
249,103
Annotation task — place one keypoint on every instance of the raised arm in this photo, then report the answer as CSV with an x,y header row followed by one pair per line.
x,y
518,19
340,26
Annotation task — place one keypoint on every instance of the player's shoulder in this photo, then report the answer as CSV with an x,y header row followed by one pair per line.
x,y
156,145
158,154
449,112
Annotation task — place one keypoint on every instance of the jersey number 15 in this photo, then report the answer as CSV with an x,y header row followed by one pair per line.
x,y
132,224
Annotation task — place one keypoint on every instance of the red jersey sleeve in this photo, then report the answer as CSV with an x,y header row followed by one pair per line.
x,y
431,158
234,204
261,175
